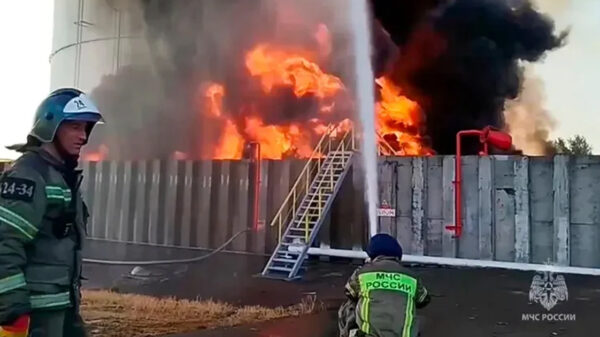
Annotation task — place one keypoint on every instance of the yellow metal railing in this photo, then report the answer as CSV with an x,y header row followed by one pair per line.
x,y
344,145
301,187
384,148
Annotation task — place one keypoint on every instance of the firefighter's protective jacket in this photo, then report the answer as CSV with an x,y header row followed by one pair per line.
x,y
386,295
42,227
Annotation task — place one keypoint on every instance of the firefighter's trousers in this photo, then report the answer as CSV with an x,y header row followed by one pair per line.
x,y
57,323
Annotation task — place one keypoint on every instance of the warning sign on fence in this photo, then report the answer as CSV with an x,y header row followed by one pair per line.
x,y
385,210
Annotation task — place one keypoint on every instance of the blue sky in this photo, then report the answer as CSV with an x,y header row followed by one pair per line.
x,y
570,75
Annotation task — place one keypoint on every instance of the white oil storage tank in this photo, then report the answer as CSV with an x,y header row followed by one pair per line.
x,y
94,38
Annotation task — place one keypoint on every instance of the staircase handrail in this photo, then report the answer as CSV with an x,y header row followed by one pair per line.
x,y
340,147
305,171
384,144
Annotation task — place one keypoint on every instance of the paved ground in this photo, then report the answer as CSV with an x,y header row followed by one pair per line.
x,y
466,302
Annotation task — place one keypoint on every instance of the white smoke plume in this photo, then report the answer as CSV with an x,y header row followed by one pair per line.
x,y
527,119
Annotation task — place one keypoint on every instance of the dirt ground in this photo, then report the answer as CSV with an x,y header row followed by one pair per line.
x,y
466,302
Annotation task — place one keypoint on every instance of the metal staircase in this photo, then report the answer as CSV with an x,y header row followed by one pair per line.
x,y
306,206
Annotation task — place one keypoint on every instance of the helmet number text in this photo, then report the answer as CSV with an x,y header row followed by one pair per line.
x,y
79,103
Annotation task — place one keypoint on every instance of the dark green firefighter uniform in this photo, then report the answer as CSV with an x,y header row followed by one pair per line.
x,y
382,295
42,228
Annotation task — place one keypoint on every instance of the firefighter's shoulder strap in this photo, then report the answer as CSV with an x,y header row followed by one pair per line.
x,y
34,161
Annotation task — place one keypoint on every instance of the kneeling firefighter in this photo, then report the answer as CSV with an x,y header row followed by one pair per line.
x,y
43,220
382,295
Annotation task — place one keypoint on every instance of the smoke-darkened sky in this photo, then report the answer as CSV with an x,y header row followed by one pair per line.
x,y
461,60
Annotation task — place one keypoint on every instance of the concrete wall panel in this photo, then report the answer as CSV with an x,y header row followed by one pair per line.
x,y
419,202
585,245
561,214
448,240
402,197
486,211
505,225
504,212
387,192
584,181
468,245
522,211
541,200
435,206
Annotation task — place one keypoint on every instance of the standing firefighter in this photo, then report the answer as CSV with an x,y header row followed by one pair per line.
x,y
382,295
42,222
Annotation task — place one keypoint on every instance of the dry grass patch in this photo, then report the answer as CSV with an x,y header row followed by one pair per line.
x,y
112,314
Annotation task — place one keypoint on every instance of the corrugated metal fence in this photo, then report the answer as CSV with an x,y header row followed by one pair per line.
x,y
515,209
184,203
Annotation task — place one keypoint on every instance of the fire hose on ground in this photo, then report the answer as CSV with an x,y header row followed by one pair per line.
x,y
175,261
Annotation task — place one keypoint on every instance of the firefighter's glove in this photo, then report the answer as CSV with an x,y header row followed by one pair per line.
x,y
19,328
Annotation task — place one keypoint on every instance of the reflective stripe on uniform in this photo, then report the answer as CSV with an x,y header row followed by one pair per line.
x,y
12,282
50,301
57,192
408,319
365,313
17,222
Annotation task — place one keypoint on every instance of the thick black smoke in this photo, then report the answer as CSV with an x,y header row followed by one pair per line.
x,y
400,17
461,59
154,108
191,43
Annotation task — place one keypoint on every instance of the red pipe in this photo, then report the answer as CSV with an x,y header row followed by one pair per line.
x,y
457,227
486,136
256,184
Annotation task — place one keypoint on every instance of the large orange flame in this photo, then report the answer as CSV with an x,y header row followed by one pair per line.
x,y
397,117
232,143
277,67
297,69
